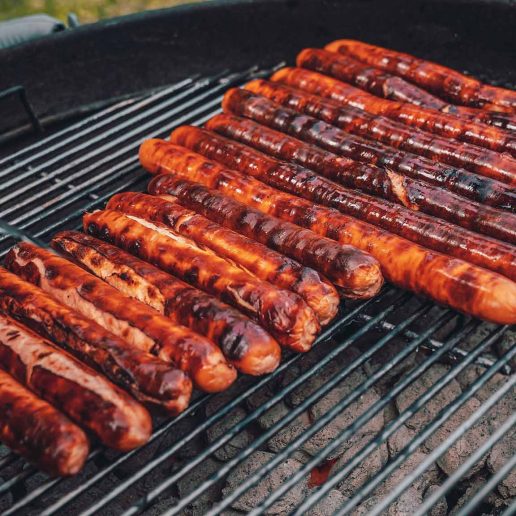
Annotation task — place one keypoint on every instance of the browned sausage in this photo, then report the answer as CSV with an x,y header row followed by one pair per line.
x,y
418,227
466,287
340,263
413,194
474,132
284,313
245,103
146,377
71,386
443,123
38,432
443,81
476,159
138,324
263,262
253,350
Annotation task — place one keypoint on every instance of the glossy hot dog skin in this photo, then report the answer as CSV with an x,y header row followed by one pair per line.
x,y
441,80
283,313
329,63
147,378
411,193
138,324
450,281
263,262
36,430
476,159
247,104
418,227
356,274
77,390
237,335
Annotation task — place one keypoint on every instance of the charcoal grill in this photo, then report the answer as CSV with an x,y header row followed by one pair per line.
x,y
395,340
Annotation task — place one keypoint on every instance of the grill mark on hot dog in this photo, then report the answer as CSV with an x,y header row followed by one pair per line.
x,y
149,379
253,350
282,312
138,324
409,265
80,392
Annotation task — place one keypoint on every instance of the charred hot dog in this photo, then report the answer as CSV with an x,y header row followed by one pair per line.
x,y
253,350
263,262
71,386
138,324
463,286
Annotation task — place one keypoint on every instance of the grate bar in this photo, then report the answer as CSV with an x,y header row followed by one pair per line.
x,y
507,425
452,438
227,408
407,413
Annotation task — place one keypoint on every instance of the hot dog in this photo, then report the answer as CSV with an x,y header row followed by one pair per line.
x,y
138,324
74,388
450,281
355,273
473,132
413,194
476,159
253,350
284,313
244,103
418,227
41,434
263,262
147,378
408,114
441,80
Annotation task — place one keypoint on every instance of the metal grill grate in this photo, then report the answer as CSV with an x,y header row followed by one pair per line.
x,y
385,346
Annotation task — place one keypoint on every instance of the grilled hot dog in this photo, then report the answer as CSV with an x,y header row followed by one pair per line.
x,y
263,262
41,434
138,324
441,80
355,273
147,378
256,351
476,159
282,312
418,227
71,386
463,286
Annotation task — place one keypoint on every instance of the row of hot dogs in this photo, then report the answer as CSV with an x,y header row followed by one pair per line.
x,y
304,191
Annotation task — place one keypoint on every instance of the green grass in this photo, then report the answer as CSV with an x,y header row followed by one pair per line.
x,y
86,10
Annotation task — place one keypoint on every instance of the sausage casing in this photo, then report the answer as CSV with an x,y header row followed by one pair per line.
x,y
352,120
40,433
413,194
263,262
146,377
418,227
440,79
237,335
284,313
450,281
78,391
474,132
340,263
245,103
138,324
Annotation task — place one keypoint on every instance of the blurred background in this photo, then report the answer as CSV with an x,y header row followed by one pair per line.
x,y
86,10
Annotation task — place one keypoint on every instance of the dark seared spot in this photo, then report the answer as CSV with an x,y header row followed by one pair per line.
x,y
92,228
51,272
192,275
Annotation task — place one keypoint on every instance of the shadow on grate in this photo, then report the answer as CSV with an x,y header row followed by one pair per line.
x,y
402,406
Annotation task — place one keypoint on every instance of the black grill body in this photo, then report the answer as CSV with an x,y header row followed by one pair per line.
x,y
396,357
